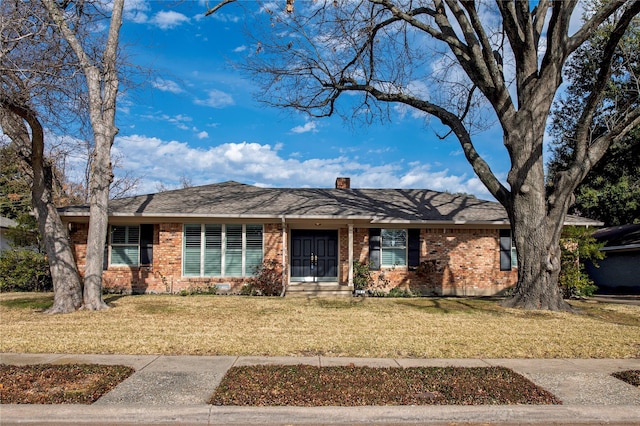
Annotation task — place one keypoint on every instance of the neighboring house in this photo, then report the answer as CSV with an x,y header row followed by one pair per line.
x,y
5,224
619,272
215,235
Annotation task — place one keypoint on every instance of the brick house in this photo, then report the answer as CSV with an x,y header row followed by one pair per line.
x,y
215,235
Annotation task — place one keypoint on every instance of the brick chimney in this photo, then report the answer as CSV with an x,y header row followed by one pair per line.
x,y
343,183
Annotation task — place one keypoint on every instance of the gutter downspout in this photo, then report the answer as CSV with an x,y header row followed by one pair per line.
x,y
350,279
284,257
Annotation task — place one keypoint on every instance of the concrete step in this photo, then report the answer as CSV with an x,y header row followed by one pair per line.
x,y
318,290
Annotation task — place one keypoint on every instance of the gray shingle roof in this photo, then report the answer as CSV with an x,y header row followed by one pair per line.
x,y
232,199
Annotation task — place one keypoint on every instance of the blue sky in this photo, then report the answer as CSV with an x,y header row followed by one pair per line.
x,y
196,118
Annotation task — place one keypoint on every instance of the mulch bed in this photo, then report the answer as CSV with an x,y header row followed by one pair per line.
x,y
630,376
58,384
310,386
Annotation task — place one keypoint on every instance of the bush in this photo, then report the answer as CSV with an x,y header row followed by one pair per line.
x,y
267,280
361,275
577,245
24,270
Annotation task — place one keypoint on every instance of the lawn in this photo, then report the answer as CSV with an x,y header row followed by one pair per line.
x,y
357,327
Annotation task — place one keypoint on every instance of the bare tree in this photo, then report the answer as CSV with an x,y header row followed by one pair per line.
x,y
34,73
448,58
102,84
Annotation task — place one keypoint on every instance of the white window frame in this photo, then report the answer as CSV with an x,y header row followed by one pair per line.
x,y
405,247
223,254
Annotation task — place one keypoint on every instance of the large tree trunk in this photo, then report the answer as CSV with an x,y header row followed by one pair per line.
x,y
535,230
67,288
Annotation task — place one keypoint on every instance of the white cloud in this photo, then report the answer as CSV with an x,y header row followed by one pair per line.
x,y
168,19
309,126
167,85
157,161
202,135
240,49
216,99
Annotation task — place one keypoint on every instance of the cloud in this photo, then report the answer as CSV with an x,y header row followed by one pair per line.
x,y
168,19
164,162
202,135
216,99
240,49
309,126
167,85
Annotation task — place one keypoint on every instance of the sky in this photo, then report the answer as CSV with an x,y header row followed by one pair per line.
x,y
195,118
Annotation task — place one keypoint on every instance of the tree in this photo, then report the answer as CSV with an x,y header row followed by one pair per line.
x,y
447,59
611,190
102,83
35,73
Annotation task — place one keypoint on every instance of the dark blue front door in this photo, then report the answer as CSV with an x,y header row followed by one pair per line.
x,y
314,255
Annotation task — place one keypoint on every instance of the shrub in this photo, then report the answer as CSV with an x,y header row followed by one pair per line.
x,y
24,270
361,275
577,245
267,280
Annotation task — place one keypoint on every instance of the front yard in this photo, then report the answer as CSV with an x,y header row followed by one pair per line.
x,y
369,327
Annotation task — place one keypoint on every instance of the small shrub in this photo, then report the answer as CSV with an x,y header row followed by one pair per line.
x,y
24,270
247,290
267,280
361,275
192,291
399,292
577,245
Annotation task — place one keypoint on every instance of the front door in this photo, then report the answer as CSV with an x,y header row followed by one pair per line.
x,y
314,255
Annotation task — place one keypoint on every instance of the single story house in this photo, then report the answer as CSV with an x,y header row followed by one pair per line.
x,y
431,242
5,225
619,271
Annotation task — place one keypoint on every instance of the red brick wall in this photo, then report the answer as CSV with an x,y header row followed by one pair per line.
x,y
454,262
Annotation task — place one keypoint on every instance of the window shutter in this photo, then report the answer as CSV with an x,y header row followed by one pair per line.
x,y
505,249
414,248
192,244
146,244
374,249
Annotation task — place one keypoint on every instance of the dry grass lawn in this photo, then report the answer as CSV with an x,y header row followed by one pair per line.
x,y
369,327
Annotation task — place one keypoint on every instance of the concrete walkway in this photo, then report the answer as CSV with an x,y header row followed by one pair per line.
x,y
175,390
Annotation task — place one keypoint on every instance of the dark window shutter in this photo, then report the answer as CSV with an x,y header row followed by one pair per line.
x,y
374,249
414,248
505,249
146,244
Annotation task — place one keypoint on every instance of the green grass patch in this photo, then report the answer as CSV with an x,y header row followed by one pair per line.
x,y
34,302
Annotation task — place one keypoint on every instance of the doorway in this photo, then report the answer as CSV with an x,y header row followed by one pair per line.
x,y
314,255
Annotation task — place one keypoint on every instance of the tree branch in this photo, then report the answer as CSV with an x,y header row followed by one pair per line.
x,y
218,6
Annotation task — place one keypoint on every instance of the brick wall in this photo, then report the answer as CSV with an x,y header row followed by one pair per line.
x,y
453,262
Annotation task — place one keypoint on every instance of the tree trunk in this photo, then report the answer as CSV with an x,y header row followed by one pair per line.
x,y
67,288
102,84
98,224
536,232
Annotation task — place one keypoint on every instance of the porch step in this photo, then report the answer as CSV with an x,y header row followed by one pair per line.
x,y
318,290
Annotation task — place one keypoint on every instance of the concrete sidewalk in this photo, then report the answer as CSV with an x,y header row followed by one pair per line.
x,y
175,390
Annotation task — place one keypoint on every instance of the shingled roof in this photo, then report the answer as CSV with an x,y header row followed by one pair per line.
x,y
236,200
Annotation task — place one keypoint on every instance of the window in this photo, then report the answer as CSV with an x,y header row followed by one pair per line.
x,y
125,245
394,247
508,252
215,250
